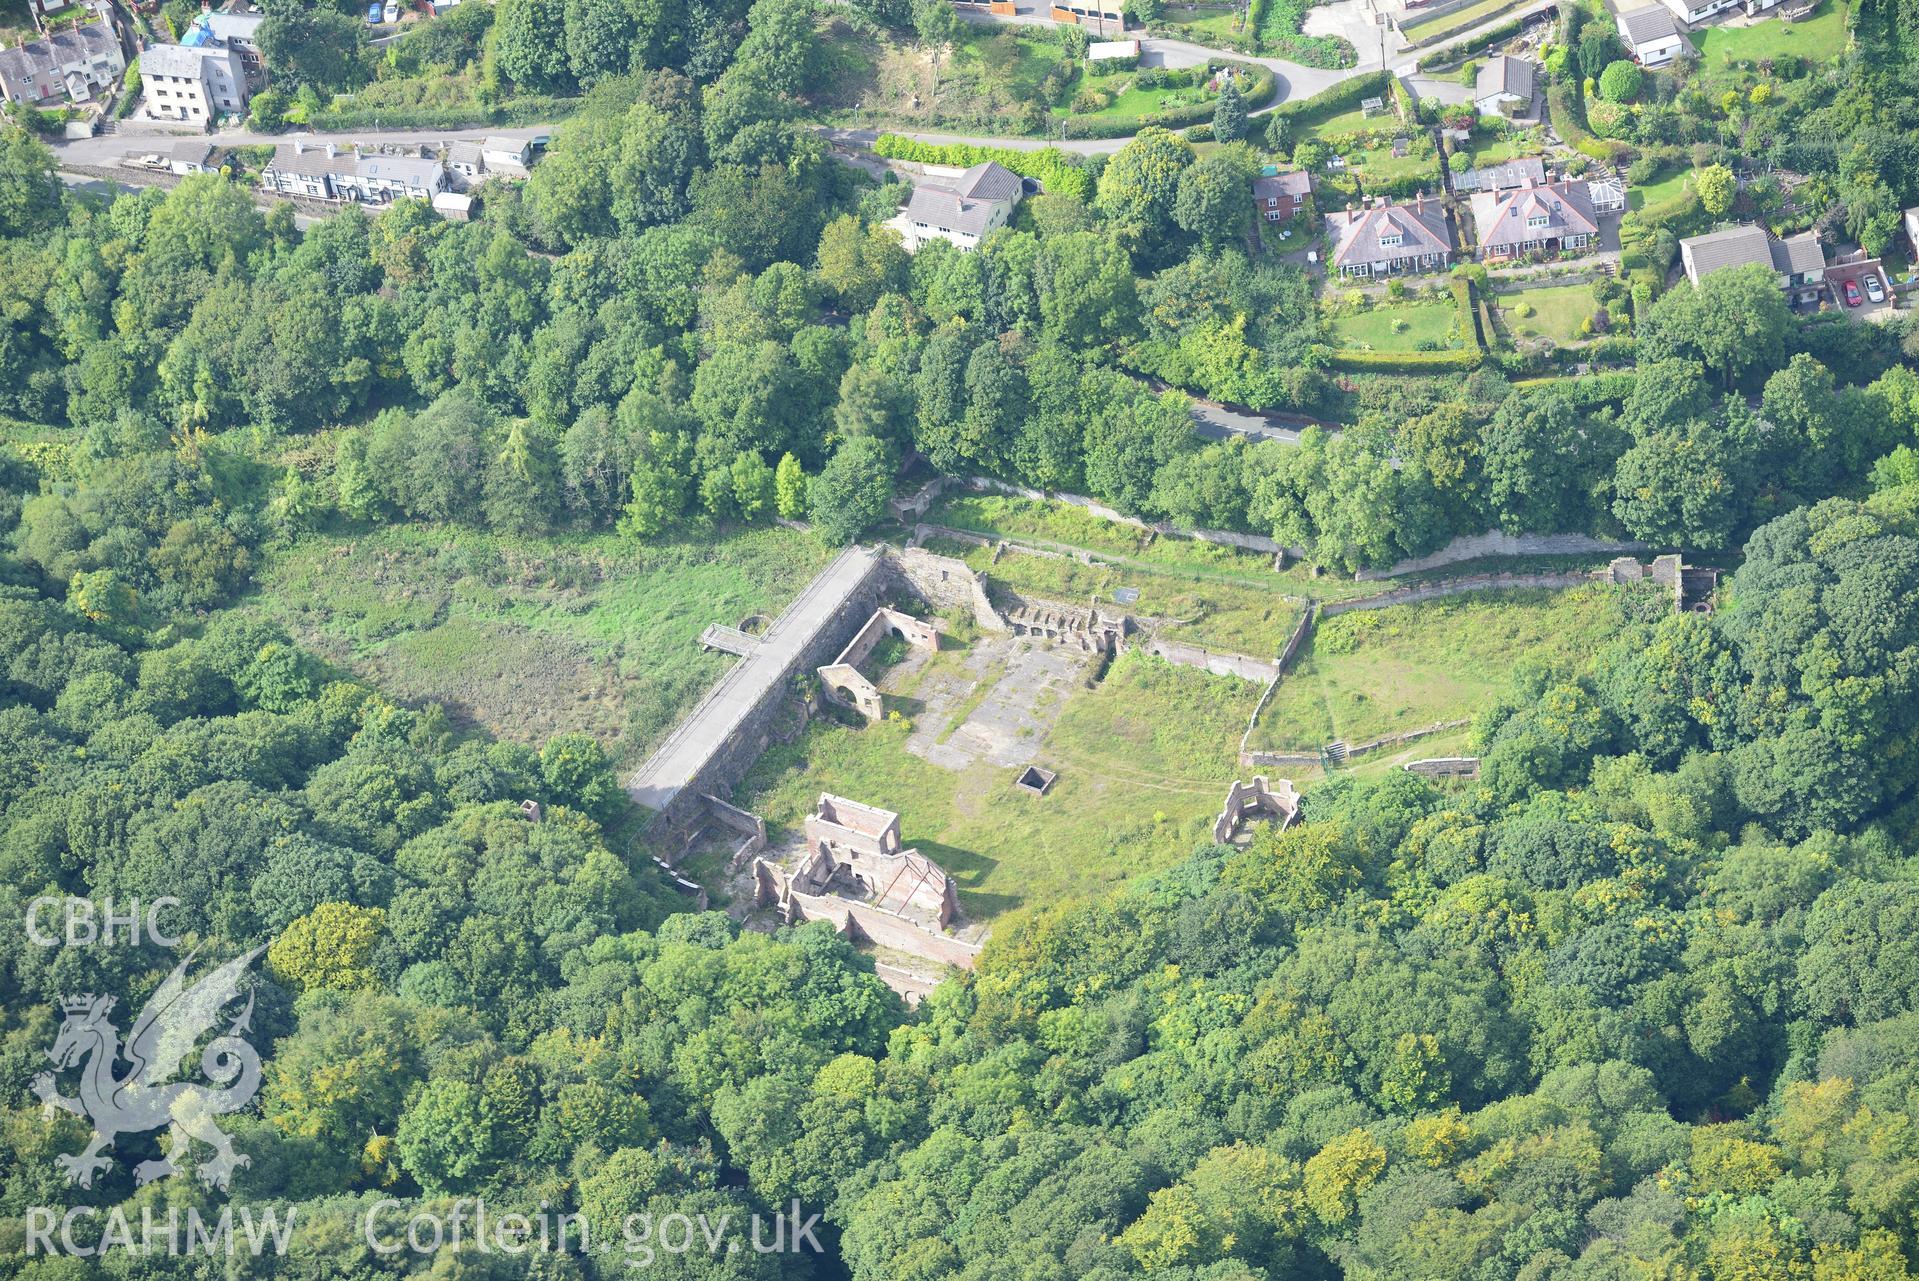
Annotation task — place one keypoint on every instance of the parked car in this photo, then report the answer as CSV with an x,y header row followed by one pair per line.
x,y
374,12
392,12
1875,290
1852,293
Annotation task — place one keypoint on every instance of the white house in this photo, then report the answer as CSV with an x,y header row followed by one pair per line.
x,y
1504,87
980,200
1694,12
1650,35
179,82
327,172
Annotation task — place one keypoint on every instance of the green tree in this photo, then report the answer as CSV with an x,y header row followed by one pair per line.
x,y
1622,81
851,492
1229,114
1140,184
530,43
789,488
1212,204
330,947
1716,187
313,46
1734,323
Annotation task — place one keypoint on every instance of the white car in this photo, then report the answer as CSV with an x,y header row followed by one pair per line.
x,y
1875,290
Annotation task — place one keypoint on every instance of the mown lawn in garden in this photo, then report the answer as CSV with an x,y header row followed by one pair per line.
x,y
1394,328
1558,312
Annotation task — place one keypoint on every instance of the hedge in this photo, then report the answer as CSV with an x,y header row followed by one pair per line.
x,y
1406,362
516,111
1330,102
1265,84
1588,391
1567,123
1056,171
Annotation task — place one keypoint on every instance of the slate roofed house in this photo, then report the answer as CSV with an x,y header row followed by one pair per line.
x,y
71,64
978,201
1797,262
1547,219
1280,197
378,178
239,32
192,83
1386,238
191,157
1694,12
466,159
507,155
1527,171
1651,35
1504,87
299,170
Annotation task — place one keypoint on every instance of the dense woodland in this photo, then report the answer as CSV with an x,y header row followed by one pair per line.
x,y
1643,1002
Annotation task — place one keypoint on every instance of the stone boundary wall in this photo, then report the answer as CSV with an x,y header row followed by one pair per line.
x,y
1444,767
1288,652
1496,543
1217,662
749,825
1408,736
1455,587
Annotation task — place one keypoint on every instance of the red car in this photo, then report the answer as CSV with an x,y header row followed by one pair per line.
x,y
1852,294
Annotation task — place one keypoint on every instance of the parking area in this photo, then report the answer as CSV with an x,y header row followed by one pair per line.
x,y
1866,279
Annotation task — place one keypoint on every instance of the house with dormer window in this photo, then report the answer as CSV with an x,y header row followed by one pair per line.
x,y
1385,239
1553,217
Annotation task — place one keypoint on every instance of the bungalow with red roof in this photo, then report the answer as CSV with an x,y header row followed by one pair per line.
x,y
1550,218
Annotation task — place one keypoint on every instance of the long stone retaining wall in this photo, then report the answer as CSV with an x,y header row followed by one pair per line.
x,y
1455,587
1495,543
718,741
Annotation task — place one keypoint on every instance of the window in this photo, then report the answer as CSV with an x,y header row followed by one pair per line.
x,y
1390,240
1538,220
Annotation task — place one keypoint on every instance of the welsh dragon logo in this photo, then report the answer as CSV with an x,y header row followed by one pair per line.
x,y
144,1099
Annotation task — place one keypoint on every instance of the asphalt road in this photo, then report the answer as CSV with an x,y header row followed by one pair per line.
x,y
135,137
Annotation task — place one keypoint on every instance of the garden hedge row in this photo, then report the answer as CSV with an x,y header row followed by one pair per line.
x,y
1456,360
1340,97
1457,55
1054,169
516,111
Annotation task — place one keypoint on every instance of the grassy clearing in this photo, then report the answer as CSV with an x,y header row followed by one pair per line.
x,y
1395,328
1143,760
1820,38
1557,312
533,637
1385,671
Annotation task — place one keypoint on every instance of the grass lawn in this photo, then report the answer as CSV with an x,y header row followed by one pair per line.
x,y
1383,671
1136,101
1493,151
532,637
1346,123
1558,312
1820,38
1143,760
1658,192
1379,329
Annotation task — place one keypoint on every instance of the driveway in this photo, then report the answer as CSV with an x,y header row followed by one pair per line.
x,y
1839,273
1364,23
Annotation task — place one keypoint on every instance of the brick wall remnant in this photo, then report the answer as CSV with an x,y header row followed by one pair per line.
x,y
1257,799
